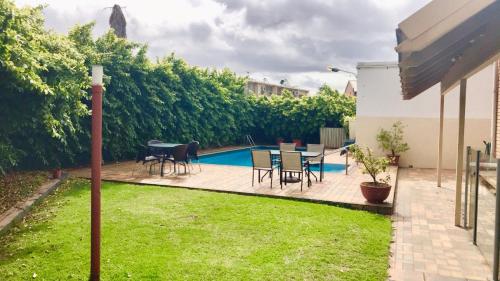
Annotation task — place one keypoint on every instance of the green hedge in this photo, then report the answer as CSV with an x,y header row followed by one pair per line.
x,y
45,99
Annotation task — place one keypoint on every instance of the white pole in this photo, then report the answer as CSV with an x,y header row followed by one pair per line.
x,y
440,140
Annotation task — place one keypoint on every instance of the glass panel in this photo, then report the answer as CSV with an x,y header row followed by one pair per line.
x,y
485,198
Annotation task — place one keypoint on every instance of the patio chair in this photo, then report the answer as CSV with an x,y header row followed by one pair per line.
x,y
316,160
179,157
287,146
291,162
192,153
144,157
262,161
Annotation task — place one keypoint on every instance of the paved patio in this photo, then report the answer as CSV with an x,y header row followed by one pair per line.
x,y
427,246
336,188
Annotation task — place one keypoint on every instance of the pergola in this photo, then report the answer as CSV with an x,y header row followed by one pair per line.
x,y
447,42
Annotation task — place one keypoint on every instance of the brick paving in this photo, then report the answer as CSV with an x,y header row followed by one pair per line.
x,y
486,214
336,188
427,245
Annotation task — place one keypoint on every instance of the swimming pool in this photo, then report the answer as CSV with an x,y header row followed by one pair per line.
x,y
243,157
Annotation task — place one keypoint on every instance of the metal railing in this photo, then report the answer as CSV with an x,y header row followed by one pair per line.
x,y
345,151
250,140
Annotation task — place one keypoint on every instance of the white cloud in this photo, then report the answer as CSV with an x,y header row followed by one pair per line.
x,y
292,39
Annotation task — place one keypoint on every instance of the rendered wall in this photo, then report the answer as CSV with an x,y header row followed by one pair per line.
x,y
380,104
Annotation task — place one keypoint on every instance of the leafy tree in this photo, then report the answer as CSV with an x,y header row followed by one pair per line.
x,y
44,81
45,99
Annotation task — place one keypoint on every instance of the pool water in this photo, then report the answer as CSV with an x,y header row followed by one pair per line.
x,y
243,157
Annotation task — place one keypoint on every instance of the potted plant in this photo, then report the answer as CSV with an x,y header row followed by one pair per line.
x,y
392,142
54,162
56,170
377,190
297,142
296,136
56,173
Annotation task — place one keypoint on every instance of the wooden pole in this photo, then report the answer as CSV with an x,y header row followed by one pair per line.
x,y
440,141
460,152
96,159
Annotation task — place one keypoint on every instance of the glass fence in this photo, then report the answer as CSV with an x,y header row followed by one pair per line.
x,y
479,199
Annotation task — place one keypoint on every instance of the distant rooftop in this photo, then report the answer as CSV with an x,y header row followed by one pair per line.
x,y
277,85
268,89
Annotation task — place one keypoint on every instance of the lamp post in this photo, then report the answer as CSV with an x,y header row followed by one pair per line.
x,y
95,199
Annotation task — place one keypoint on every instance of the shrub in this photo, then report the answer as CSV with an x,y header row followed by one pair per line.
x,y
372,165
392,140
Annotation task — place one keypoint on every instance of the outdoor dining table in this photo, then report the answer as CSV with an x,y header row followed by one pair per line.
x,y
306,155
165,148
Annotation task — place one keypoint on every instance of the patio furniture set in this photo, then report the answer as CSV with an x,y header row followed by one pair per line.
x,y
160,153
291,164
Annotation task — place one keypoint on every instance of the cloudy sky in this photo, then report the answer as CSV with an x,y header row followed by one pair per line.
x,y
272,39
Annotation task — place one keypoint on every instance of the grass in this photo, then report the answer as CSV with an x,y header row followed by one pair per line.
x,y
158,233
16,186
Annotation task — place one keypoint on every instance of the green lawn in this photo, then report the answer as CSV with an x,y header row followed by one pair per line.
x,y
158,233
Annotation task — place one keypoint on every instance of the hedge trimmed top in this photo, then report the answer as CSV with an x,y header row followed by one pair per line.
x,y
45,100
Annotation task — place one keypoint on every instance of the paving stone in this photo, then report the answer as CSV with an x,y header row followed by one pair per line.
x,y
424,229
336,188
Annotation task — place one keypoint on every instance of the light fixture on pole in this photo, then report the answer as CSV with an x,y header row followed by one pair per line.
x,y
96,158
336,69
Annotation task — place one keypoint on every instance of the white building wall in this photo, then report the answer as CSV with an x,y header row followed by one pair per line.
x,y
380,104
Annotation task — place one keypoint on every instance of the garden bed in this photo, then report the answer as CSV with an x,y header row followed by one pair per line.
x,y
17,186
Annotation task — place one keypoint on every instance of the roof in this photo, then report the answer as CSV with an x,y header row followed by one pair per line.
x,y
354,84
445,41
277,85
377,64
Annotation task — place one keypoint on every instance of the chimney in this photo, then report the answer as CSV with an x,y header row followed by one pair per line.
x,y
117,22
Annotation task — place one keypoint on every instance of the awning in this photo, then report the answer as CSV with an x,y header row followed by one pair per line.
x,y
445,41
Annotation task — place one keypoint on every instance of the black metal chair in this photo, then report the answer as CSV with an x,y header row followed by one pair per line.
x,y
144,157
179,157
192,153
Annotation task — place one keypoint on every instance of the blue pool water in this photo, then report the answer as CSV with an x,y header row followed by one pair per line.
x,y
242,157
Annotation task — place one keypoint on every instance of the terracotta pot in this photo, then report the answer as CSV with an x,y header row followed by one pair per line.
x,y
297,142
375,193
56,173
280,141
393,160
